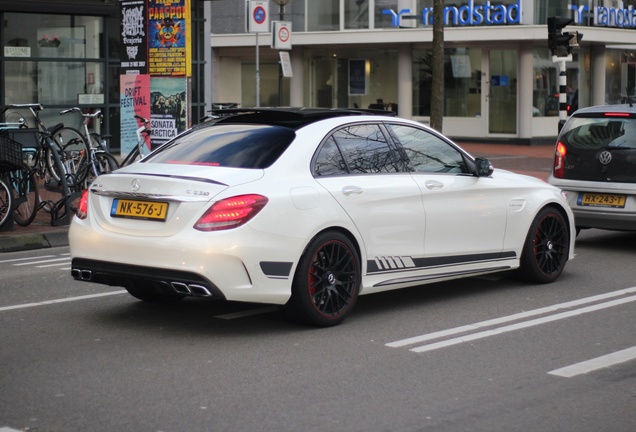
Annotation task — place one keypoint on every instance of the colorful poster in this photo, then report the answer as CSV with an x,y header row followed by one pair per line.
x,y
169,52
134,40
168,114
134,99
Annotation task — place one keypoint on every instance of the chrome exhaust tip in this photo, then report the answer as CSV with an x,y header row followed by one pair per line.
x,y
83,275
180,287
199,290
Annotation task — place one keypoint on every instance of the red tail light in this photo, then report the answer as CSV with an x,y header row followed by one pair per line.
x,y
559,160
82,208
231,212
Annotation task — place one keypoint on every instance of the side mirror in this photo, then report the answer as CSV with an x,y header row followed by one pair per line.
x,y
483,167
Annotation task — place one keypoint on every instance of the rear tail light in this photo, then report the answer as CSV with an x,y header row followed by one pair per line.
x,y
82,207
559,160
231,212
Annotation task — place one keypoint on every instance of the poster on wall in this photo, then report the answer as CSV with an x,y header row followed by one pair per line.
x,y
169,52
134,40
357,77
168,113
134,99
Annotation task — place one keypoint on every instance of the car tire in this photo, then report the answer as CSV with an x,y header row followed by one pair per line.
x,y
327,281
546,248
150,295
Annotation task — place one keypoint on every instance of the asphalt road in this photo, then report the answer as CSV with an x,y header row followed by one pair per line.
x,y
487,354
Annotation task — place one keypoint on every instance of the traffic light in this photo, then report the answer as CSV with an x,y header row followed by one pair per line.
x,y
559,42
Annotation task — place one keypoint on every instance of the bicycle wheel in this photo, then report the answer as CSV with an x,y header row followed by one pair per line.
x,y
26,195
73,151
6,200
103,163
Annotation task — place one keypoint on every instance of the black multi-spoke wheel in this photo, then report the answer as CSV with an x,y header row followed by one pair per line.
x,y
546,248
327,281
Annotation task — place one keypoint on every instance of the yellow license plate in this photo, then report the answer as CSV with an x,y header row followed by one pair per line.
x,y
149,210
602,200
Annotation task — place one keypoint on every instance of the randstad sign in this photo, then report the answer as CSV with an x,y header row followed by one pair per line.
x,y
470,14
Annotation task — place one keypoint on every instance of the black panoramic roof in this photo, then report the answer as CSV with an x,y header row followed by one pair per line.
x,y
289,117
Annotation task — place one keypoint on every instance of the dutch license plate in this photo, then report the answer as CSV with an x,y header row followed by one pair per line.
x,y
602,200
149,210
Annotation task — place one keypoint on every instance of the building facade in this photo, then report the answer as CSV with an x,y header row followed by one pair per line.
x,y
500,78
85,70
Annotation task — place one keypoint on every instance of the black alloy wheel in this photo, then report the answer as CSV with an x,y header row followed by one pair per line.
x,y
327,281
546,248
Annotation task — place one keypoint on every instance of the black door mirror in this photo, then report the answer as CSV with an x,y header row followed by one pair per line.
x,y
483,167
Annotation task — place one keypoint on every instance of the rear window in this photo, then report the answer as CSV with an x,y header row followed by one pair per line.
x,y
595,133
233,145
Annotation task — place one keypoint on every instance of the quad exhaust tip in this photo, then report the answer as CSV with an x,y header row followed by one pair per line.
x,y
83,275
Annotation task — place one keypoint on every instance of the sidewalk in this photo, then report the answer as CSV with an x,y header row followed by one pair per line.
x,y
535,161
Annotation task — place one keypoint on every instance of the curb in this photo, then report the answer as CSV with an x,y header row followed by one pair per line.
x,y
32,241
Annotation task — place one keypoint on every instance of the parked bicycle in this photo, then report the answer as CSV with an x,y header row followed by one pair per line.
x,y
51,156
97,160
138,151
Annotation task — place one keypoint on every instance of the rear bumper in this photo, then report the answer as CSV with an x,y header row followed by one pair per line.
x,y
152,279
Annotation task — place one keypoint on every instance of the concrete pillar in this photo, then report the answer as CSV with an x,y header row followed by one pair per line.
x,y
296,83
405,81
598,75
524,89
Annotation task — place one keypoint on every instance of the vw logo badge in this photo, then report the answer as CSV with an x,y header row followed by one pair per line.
x,y
605,157
135,185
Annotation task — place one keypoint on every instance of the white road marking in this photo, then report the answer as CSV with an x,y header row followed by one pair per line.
x,y
25,259
41,262
64,300
502,320
248,312
55,265
595,364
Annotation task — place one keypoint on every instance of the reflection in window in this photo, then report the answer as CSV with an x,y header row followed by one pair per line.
x,y
323,15
428,153
329,160
366,150
356,14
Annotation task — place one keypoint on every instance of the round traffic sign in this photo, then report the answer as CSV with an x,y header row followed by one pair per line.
x,y
259,14
283,34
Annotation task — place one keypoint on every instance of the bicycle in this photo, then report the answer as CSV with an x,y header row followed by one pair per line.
x,y
52,157
97,160
18,179
137,151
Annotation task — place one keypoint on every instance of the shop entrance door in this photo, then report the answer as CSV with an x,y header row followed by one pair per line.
x,y
501,98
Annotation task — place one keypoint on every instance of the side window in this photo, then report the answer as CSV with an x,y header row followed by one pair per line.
x,y
329,160
428,153
366,150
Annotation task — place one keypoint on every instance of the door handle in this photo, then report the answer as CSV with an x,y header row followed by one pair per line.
x,y
433,184
352,190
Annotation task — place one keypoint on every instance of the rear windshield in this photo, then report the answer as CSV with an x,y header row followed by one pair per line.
x,y
595,133
233,145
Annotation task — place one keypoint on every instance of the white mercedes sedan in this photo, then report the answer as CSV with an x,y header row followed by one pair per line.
x,y
309,208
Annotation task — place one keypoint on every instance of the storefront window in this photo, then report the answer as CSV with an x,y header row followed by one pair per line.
x,y
462,82
620,75
353,78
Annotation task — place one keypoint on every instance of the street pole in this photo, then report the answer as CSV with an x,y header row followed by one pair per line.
x,y
563,81
281,9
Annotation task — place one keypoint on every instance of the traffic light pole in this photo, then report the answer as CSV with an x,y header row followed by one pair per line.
x,y
563,82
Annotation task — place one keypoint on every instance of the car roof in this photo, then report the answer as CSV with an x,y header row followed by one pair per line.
x,y
290,117
602,109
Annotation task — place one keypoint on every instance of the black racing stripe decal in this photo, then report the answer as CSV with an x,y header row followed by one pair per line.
x,y
276,269
383,264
